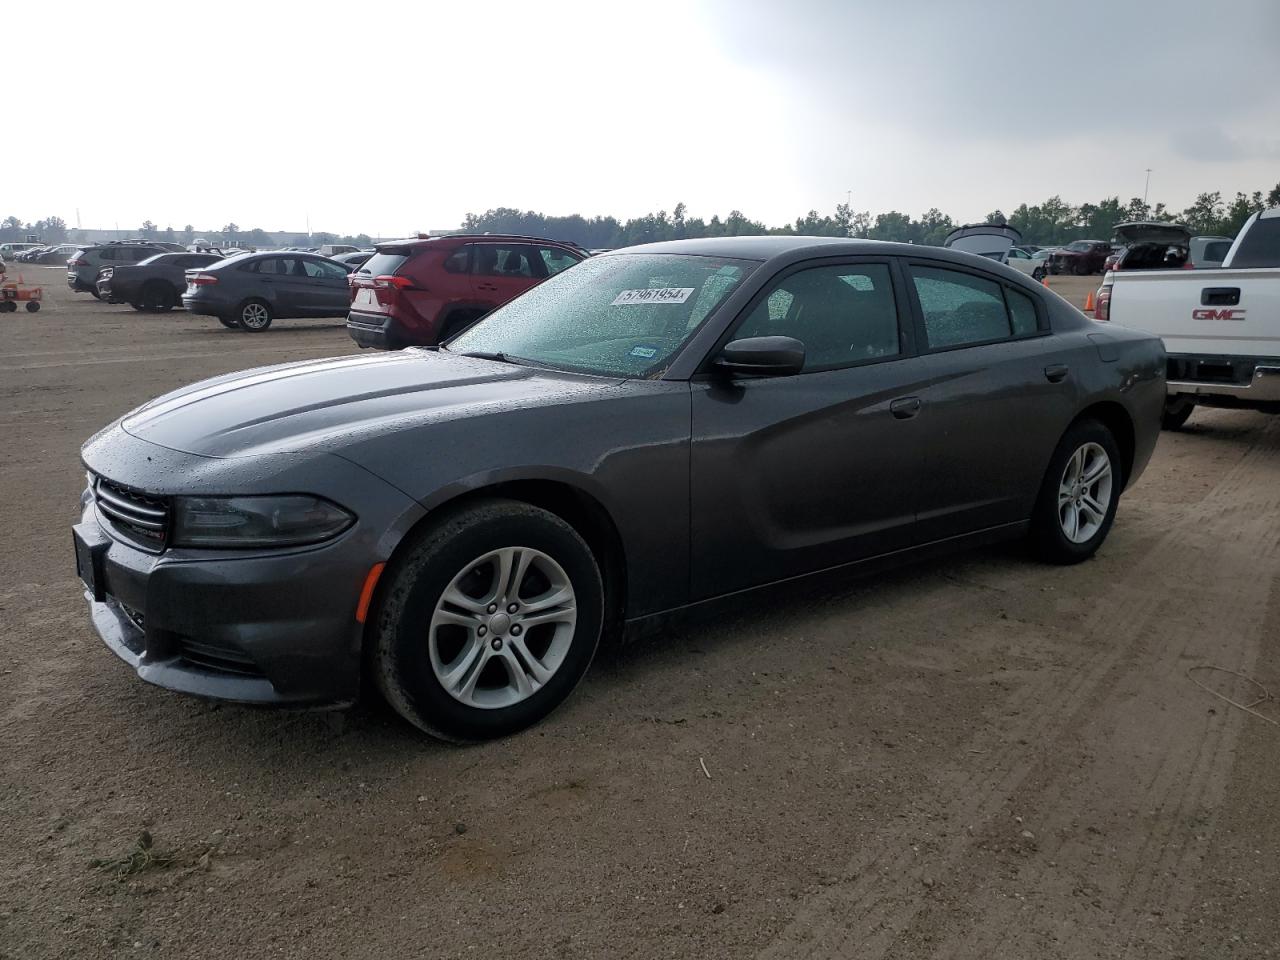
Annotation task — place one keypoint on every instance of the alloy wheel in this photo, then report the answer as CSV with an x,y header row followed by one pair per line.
x,y
502,627
254,316
1084,493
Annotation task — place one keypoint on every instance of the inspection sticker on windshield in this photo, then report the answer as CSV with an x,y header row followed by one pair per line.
x,y
656,295
648,353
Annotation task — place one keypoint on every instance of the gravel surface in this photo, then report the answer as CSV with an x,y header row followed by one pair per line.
x,y
977,757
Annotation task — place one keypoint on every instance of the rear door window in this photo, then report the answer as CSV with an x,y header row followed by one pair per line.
x,y
959,309
517,260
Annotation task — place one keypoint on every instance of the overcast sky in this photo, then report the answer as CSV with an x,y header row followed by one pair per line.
x,y
392,117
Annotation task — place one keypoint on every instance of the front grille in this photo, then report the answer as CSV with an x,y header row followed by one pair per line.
x,y
216,657
141,519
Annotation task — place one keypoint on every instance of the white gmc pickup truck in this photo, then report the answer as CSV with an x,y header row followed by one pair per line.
x,y
1220,326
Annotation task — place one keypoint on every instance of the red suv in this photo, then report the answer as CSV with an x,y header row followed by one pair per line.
x,y
422,292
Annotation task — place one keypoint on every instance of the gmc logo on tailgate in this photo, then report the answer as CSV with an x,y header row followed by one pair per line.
x,y
1209,313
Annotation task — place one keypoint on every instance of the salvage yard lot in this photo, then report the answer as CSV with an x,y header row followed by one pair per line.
x,y
976,757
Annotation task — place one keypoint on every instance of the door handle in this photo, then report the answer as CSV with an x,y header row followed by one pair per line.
x,y
1056,372
905,408
1220,297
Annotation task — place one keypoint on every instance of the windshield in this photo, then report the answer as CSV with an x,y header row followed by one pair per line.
x,y
622,315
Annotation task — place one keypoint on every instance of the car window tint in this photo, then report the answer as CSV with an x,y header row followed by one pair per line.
x,y
108,253
554,259
314,269
456,262
1022,311
959,308
514,260
1261,244
842,314
271,266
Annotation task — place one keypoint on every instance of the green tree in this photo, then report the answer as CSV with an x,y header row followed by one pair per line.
x,y
1205,214
1273,198
148,228
996,218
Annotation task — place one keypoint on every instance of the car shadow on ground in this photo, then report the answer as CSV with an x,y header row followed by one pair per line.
x,y
370,737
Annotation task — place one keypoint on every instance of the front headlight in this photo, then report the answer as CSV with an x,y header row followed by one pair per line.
x,y
285,521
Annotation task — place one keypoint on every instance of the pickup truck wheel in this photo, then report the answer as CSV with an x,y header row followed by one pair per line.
x,y
487,622
254,316
157,297
1079,495
1177,410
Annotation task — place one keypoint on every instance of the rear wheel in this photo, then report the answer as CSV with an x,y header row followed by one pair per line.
x,y
33,306
488,622
1177,410
157,297
1079,495
254,316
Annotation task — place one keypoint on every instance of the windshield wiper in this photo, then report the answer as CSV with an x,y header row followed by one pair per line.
x,y
487,355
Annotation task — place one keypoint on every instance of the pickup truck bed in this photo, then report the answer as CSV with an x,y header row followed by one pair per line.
x,y
1221,331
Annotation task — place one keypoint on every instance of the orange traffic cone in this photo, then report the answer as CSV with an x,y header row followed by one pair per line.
x,y
1088,302
1045,280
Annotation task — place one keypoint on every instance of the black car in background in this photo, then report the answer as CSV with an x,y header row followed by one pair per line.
x,y
251,291
156,284
88,261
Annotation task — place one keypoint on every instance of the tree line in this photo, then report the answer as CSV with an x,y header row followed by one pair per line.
x,y
1053,221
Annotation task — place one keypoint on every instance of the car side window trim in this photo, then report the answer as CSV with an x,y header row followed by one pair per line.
x,y
922,335
906,334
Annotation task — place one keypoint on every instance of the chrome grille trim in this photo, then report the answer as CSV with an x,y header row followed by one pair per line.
x,y
139,518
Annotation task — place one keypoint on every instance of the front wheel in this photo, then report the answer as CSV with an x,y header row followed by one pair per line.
x,y
254,316
1177,410
33,306
1079,495
488,621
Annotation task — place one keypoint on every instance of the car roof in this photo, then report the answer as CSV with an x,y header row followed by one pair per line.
x,y
457,239
793,247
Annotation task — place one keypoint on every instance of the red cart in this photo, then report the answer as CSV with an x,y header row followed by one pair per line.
x,y
14,292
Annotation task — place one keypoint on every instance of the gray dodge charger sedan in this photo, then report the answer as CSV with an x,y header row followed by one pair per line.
x,y
656,428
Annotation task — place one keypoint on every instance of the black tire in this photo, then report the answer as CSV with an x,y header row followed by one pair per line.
x,y
1037,274
401,638
1177,410
33,306
459,322
1048,536
231,323
254,316
157,297
8,306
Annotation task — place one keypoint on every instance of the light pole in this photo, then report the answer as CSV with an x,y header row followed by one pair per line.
x,y
1146,188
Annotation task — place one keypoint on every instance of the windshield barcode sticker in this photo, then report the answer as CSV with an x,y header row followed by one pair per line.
x,y
656,295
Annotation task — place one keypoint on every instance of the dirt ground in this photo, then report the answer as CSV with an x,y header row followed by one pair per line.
x,y
978,757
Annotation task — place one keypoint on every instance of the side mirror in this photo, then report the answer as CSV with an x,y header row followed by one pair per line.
x,y
761,357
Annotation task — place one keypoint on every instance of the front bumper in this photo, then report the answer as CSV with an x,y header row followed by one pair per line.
x,y
271,629
264,626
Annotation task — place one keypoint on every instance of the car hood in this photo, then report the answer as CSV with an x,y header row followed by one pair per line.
x,y
325,405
